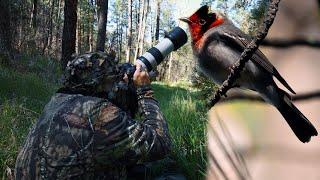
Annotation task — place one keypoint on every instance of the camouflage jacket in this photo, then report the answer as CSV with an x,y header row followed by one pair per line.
x,y
84,137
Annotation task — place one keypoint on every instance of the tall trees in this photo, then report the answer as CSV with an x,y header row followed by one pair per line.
x,y
102,23
157,21
140,19
58,28
146,8
143,14
129,32
5,34
79,31
69,31
33,22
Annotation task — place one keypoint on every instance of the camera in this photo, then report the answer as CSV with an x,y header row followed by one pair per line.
x,y
172,41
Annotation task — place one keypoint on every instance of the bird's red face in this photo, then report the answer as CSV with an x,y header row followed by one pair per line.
x,y
200,22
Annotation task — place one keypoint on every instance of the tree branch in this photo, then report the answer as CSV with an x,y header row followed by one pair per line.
x,y
256,98
285,43
247,53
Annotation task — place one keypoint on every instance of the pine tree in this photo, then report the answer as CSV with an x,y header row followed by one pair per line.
x,y
69,31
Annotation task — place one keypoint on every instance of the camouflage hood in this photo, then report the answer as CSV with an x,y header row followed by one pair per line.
x,y
92,72
98,74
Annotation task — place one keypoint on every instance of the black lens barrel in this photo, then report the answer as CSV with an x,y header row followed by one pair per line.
x,y
156,54
178,37
172,41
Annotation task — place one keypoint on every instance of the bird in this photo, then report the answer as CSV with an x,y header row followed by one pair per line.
x,y
217,44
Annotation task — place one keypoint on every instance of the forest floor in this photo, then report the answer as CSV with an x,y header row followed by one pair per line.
x,y
25,90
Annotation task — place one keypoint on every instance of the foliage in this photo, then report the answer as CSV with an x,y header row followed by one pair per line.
x,y
200,81
206,2
259,10
245,14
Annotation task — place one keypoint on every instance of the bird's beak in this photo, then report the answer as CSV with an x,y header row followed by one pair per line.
x,y
185,19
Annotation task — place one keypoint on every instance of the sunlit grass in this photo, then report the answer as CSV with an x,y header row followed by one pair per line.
x,y
186,117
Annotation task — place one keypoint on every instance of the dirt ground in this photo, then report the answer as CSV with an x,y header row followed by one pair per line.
x,y
271,149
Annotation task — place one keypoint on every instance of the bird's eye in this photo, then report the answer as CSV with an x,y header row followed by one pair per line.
x,y
202,22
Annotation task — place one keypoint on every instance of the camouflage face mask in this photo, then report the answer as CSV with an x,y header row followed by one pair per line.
x,y
97,74
91,72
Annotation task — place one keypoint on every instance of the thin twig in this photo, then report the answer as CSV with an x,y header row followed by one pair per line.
x,y
29,110
247,53
232,144
286,43
215,161
223,147
247,97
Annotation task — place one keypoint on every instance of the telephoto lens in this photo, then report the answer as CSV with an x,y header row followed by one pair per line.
x,y
172,41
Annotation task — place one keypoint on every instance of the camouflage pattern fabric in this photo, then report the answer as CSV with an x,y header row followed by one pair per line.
x,y
85,137
91,72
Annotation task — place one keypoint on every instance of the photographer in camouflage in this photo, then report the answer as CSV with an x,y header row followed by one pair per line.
x,y
87,130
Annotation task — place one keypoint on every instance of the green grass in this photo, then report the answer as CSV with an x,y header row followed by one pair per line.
x,y
24,92
15,123
186,117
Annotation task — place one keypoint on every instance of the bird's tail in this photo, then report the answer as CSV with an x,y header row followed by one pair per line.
x,y
299,124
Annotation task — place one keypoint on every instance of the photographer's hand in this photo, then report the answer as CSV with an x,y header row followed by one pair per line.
x,y
141,77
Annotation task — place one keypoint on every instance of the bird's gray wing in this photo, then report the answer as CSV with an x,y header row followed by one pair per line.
x,y
258,58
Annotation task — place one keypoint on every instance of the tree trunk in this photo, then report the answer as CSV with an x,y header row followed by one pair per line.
x,y
5,32
102,23
151,31
91,26
141,19
50,29
157,21
119,39
78,32
88,29
129,31
69,31
58,31
51,26
45,34
144,22
169,68
33,22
